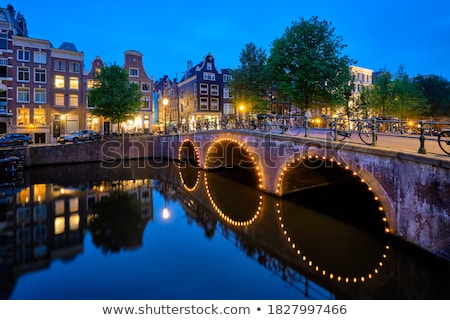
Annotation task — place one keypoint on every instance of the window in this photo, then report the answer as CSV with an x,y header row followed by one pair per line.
x,y
40,95
226,93
23,74
214,89
145,103
145,87
227,78
40,75
23,94
74,67
228,108
59,82
3,41
134,72
209,76
73,83
39,116
23,55
40,57
215,104
3,68
203,103
60,65
3,102
73,100
23,116
209,66
203,88
59,99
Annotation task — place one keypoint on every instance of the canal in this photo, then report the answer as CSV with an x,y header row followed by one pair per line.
x,y
149,229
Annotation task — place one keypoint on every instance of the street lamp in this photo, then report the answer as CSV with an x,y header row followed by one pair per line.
x,y
165,103
241,108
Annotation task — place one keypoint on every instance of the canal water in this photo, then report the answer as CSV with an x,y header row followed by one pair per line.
x,y
162,230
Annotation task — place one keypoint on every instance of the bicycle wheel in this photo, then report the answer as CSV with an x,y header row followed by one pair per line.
x,y
444,141
294,129
366,134
341,133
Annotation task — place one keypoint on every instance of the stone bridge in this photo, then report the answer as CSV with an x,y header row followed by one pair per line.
x,y
412,189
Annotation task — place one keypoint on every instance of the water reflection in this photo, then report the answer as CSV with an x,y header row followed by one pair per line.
x,y
308,245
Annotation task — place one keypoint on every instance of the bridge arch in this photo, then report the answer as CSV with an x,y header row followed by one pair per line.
x,y
226,152
285,183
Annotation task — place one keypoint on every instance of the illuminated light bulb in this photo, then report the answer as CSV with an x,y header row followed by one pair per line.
x,y
376,198
298,252
339,278
331,276
355,280
380,208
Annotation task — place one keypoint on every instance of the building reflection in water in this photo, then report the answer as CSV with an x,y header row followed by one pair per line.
x,y
46,216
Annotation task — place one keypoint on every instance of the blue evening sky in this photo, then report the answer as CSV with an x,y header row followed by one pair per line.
x,y
379,34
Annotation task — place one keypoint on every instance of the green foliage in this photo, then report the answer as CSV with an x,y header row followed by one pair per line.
x,y
250,79
308,66
397,96
113,96
437,92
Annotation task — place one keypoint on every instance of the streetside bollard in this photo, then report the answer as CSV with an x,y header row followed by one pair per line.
x,y
422,138
306,128
374,131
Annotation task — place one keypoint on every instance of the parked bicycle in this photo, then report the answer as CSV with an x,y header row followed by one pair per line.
x,y
364,128
444,140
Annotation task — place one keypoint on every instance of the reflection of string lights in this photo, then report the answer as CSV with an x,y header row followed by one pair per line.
x,y
183,181
321,270
294,163
227,218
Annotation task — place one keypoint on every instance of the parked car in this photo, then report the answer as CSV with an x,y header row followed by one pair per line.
x,y
15,139
79,136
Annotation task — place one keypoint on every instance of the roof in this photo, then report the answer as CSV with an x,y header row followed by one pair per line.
x,y
69,46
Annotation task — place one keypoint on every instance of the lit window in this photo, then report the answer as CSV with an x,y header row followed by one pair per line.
x,y
40,95
39,118
145,103
59,82
40,57
74,222
23,116
59,225
23,94
74,83
59,99
73,100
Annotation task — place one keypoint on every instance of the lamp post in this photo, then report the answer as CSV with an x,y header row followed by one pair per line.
x,y
165,103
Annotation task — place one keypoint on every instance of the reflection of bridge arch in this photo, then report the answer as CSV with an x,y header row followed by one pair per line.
x,y
188,180
342,274
315,162
226,216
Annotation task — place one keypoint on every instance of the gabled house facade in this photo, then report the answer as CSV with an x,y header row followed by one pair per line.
x,y
200,92
143,121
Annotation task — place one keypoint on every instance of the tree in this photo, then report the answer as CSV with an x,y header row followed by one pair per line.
x,y
381,94
408,101
250,79
307,64
113,95
437,92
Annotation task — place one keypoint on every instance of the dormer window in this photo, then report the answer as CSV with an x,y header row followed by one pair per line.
x,y
209,76
209,66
